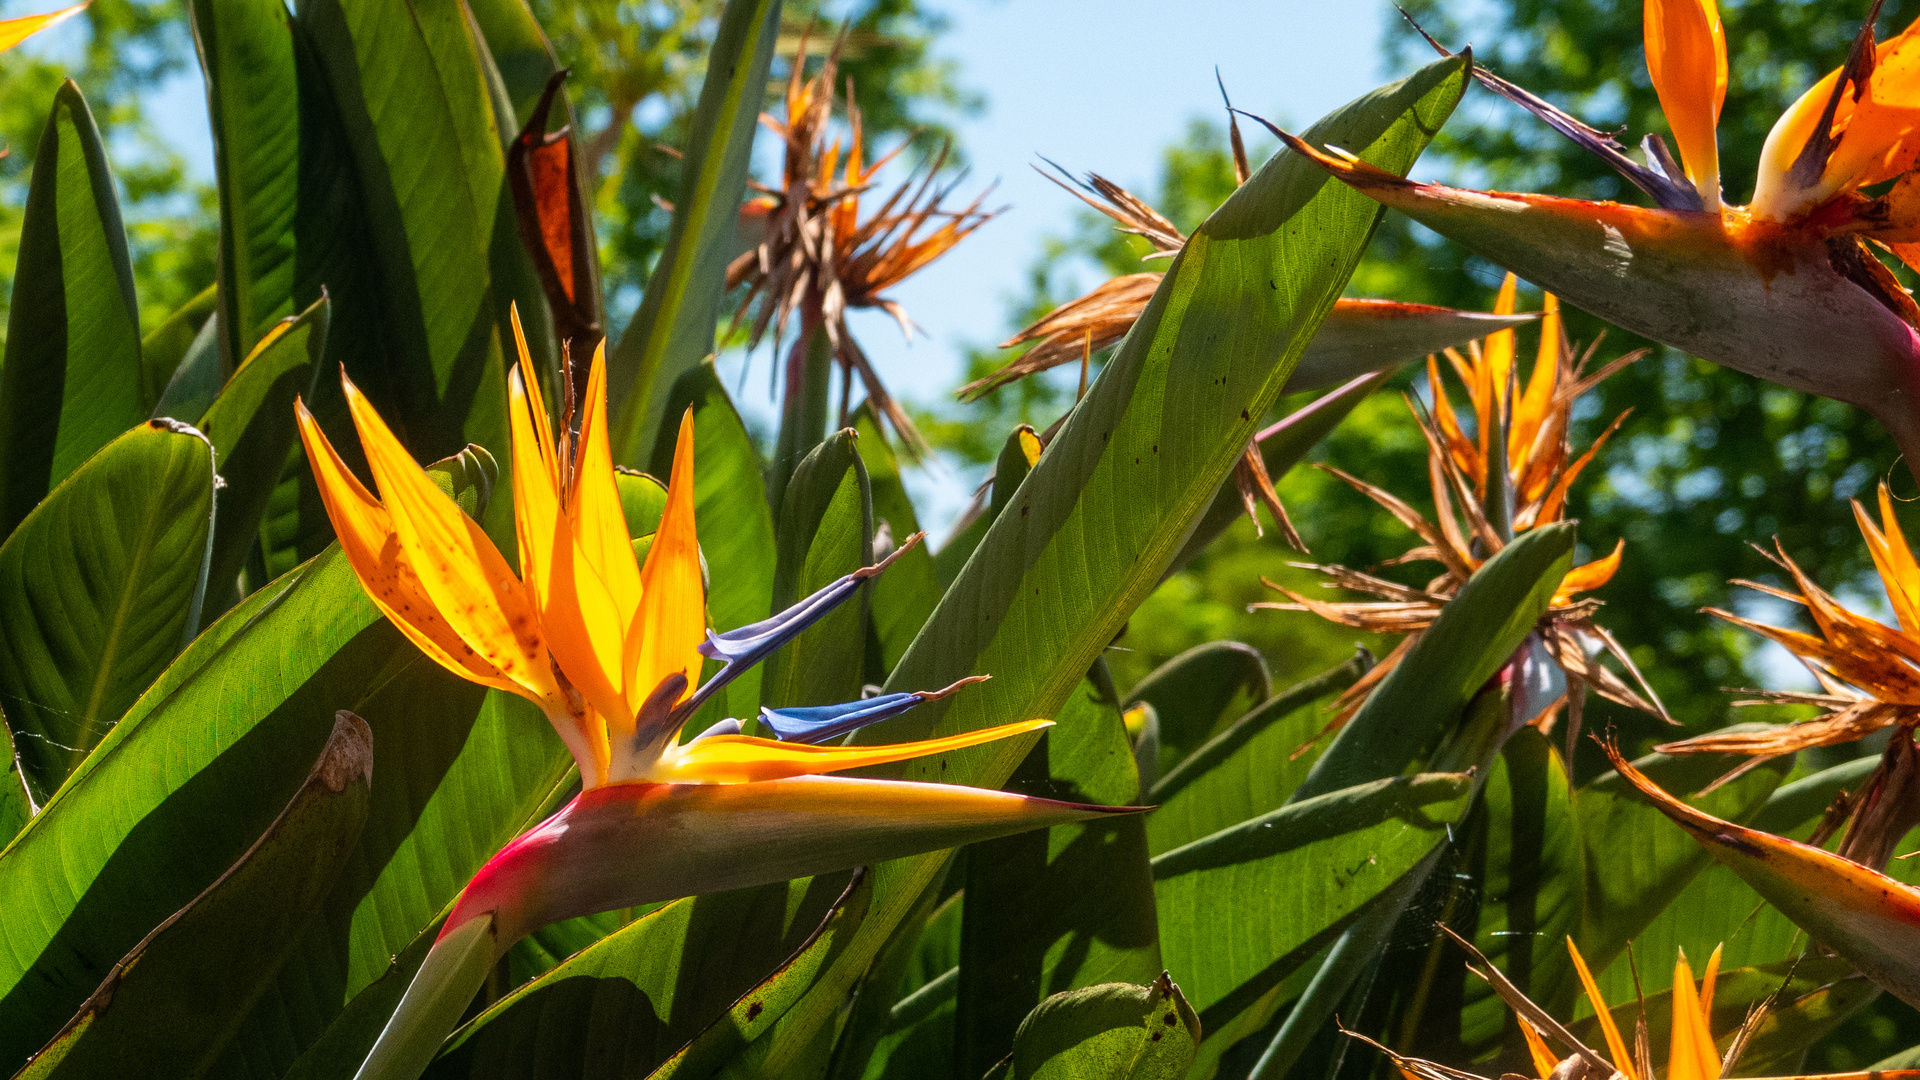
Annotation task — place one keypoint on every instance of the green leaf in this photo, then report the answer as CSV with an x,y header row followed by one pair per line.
x,y
639,996
1424,695
16,806
1284,445
166,345
731,514
1523,845
1716,906
247,53
72,298
726,1040
99,589
409,84
1046,912
898,972
1242,908
340,1049
1016,459
251,426
900,599
1142,456
1197,694
1638,865
826,531
674,328
128,840
173,1001
520,51
918,1040
1250,768
197,378
1115,1031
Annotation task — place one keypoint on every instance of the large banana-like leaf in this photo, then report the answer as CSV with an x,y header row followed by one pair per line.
x,y
1250,768
165,345
1860,913
1637,868
1056,910
1199,693
1526,848
247,54
674,328
251,426
100,587
1284,445
1435,708
1241,909
409,83
169,1006
1098,520
900,599
760,1008
825,530
72,380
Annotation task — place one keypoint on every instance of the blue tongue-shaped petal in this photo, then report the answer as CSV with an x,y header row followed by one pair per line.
x,y
741,649
818,723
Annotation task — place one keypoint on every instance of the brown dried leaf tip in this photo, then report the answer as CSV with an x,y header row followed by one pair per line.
x,y
818,256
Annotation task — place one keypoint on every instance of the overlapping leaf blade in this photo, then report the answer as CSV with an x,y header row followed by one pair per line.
x,y
674,328
72,380
100,587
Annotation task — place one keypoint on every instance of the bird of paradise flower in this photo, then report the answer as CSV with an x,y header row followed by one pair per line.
x,y
1787,287
611,649
1513,474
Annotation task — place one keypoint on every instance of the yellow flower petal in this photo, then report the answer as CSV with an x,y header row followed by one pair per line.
x,y
1591,576
1531,411
15,31
1616,1046
1878,135
1497,360
599,524
1706,985
366,535
1543,1059
1687,58
1690,1055
1894,559
671,621
462,574
547,565
740,759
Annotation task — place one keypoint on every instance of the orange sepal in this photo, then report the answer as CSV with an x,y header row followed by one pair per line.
x,y
740,759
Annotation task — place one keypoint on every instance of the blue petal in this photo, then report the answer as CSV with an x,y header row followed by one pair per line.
x,y
741,649
818,723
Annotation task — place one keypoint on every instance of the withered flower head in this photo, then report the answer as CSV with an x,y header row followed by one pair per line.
x,y
1869,672
819,256
1511,475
